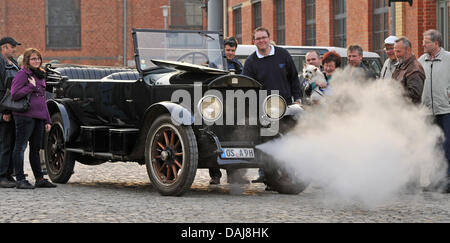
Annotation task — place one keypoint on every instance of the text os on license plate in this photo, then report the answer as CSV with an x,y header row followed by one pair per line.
x,y
232,153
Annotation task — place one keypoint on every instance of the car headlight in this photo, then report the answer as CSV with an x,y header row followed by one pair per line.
x,y
274,106
210,107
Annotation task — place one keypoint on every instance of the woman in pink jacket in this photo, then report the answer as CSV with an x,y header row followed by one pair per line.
x,y
30,124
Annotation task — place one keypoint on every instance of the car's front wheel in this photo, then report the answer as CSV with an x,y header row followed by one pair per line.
x,y
284,182
171,156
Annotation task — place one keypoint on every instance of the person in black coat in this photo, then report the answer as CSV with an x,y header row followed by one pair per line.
x,y
354,59
233,176
273,67
8,69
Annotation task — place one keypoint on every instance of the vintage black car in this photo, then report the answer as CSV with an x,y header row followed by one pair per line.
x,y
173,113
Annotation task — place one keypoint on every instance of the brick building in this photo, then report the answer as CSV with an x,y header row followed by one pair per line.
x,y
337,22
91,31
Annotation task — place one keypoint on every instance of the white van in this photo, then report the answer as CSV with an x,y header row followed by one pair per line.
x,y
371,59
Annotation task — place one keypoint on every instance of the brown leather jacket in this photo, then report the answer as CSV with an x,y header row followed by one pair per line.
x,y
411,75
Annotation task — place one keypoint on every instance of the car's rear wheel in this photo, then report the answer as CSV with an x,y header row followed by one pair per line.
x,y
171,156
58,161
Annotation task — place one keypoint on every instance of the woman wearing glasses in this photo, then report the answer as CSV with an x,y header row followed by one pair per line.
x,y
30,124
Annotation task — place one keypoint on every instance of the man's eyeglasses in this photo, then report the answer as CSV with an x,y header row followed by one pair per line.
x,y
261,38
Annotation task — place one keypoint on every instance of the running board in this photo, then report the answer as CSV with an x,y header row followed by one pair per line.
x,y
101,155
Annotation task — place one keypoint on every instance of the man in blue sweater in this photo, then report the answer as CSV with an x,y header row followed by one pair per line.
x,y
274,68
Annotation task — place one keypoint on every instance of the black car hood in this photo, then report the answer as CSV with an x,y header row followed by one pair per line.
x,y
183,66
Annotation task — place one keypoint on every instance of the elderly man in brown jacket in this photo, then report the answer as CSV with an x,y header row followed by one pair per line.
x,y
409,71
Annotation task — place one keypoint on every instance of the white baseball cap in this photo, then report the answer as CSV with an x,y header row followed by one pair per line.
x,y
390,40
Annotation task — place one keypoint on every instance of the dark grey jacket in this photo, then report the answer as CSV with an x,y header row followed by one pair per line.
x,y
7,73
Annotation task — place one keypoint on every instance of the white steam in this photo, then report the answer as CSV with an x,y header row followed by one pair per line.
x,y
366,144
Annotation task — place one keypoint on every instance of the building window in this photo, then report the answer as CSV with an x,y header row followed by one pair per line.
x,y
186,14
257,19
444,22
237,23
63,24
310,22
380,26
340,28
279,13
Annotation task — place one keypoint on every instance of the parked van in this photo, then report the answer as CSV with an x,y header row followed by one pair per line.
x,y
370,59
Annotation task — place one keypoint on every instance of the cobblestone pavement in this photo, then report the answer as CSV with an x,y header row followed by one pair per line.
x,y
122,192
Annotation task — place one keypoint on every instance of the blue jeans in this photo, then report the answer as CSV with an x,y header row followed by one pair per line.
x,y
7,136
443,121
32,130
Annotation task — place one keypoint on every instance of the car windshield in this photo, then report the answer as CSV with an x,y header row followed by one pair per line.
x,y
195,47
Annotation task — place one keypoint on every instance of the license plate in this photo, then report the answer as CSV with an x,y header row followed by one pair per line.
x,y
233,153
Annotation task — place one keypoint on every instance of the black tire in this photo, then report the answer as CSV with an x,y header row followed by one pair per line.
x,y
171,156
58,161
282,179
282,182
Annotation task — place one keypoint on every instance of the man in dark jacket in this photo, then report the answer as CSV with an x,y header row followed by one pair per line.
x,y
409,71
233,175
354,59
230,45
273,67
8,69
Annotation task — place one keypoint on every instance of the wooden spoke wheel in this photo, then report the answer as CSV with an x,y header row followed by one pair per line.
x,y
171,156
167,154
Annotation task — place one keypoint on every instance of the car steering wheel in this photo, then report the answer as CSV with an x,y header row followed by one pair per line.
x,y
193,54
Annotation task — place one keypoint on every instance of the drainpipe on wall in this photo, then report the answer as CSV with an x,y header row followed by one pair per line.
x,y
215,14
225,18
125,33
3,19
392,19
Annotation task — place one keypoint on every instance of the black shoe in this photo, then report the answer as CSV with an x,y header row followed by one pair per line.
x,y
24,184
44,183
214,181
260,179
6,183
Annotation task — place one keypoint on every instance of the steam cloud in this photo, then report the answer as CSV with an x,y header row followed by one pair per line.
x,y
366,144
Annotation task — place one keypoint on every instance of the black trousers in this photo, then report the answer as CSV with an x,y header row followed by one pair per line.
x,y
7,141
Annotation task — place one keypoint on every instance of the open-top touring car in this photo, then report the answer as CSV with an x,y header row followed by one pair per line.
x,y
173,113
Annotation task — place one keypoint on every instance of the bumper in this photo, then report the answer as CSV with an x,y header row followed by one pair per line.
x,y
213,149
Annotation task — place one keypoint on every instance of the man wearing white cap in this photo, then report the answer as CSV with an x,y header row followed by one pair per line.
x,y
389,64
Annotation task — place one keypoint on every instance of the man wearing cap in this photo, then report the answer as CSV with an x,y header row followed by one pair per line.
x,y
390,63
8,69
